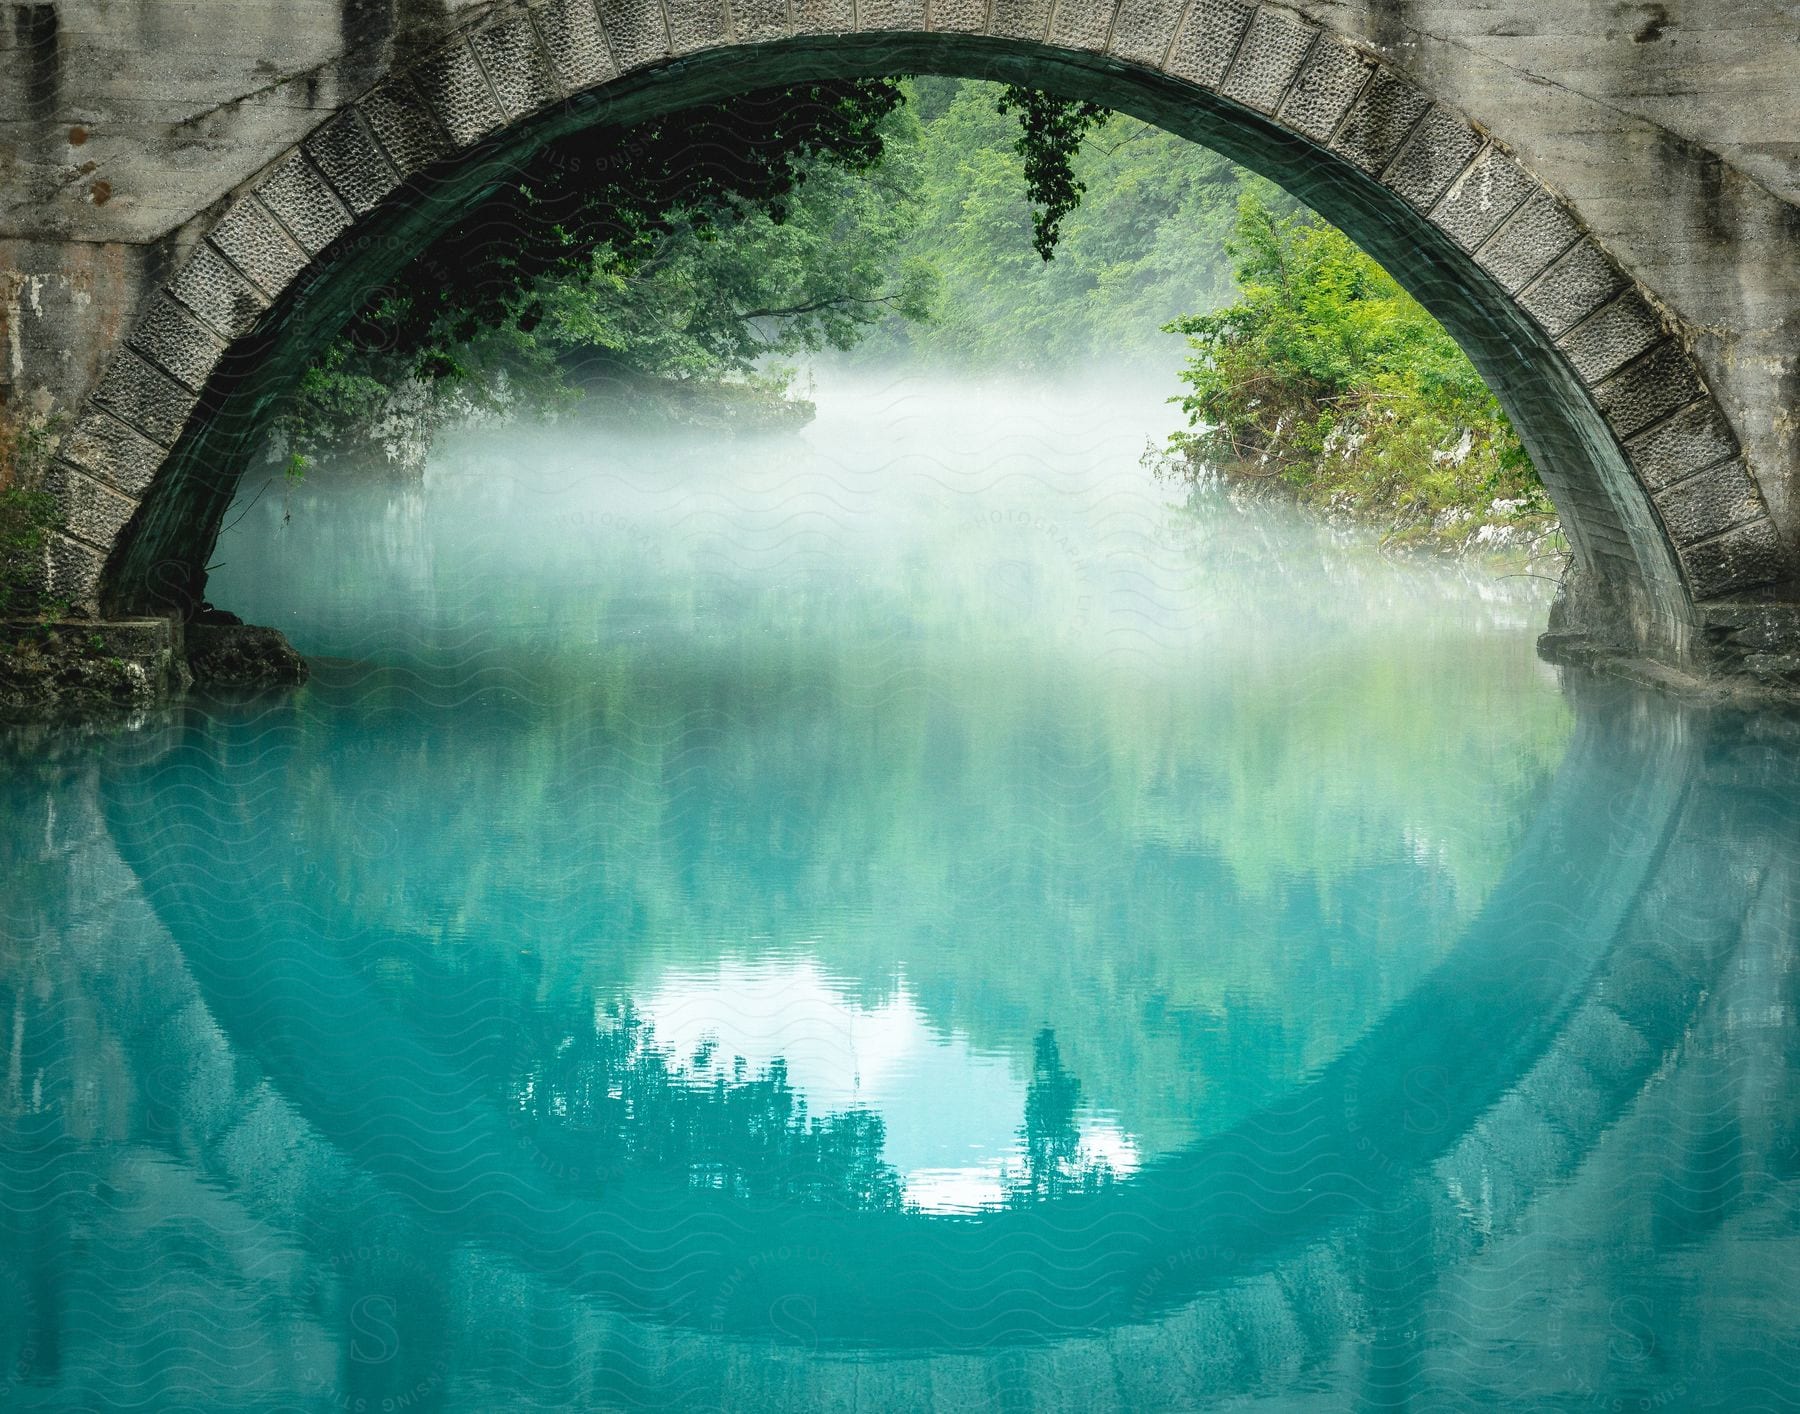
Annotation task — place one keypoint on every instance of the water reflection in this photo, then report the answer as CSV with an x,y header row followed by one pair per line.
x,y
623,988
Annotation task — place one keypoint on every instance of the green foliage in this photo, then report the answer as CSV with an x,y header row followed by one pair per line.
x,y
26,520
1327,375
917,218
1050,134
688,247
1143,247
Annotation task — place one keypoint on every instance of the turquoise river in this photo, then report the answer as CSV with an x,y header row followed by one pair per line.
x,y
921,914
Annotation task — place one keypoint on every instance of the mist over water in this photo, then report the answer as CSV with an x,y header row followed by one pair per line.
x,y
914,912
975,514
970,609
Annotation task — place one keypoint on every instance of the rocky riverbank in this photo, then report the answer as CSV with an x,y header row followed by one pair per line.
x,y
75,671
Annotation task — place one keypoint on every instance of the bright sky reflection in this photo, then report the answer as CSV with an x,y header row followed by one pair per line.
x,y
953,1113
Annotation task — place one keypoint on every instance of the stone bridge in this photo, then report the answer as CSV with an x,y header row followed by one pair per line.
x,y
1600,199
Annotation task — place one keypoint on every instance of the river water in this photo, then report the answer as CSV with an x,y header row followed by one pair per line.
x,y
918,915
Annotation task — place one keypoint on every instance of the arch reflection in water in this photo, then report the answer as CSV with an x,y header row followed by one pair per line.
x,y
773,1004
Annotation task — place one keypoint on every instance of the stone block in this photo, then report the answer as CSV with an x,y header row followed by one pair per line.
x,y
255,242
1022,19
1696,438
1650,389
1486,195
87,509
119,455
1334,74
1144,29
176,342
1084,26
1602,345
1744,558
517,70
1268,60
215,290
74,572
1709,504
1209,41
145,397
304,203
1530,239
352,161
970,17
902,15
1577,283
1380,121
404,125
453,85
1440,151
705,24
637,31
570,30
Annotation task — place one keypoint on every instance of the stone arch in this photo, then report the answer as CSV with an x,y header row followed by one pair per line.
x,y
1640,459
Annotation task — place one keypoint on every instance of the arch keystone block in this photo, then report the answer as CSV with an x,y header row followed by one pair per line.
x,y
967,16
1143,30
1078,26
757,20
705,24
1019,19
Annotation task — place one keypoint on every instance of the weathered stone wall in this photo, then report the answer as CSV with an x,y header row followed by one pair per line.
x,y
1600,202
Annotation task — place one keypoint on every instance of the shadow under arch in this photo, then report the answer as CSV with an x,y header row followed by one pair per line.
x,y
1630,833
1609,404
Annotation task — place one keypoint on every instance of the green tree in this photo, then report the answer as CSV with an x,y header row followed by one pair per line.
x,y
1143,246
1326,376
689,246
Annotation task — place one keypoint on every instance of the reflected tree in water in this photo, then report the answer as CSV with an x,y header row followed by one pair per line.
x,y
1056,1165
607,1098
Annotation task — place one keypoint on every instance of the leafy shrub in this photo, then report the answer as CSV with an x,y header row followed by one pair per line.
x,y
1327,375
26,520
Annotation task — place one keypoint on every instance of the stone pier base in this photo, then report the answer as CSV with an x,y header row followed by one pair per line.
x,y
81,669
